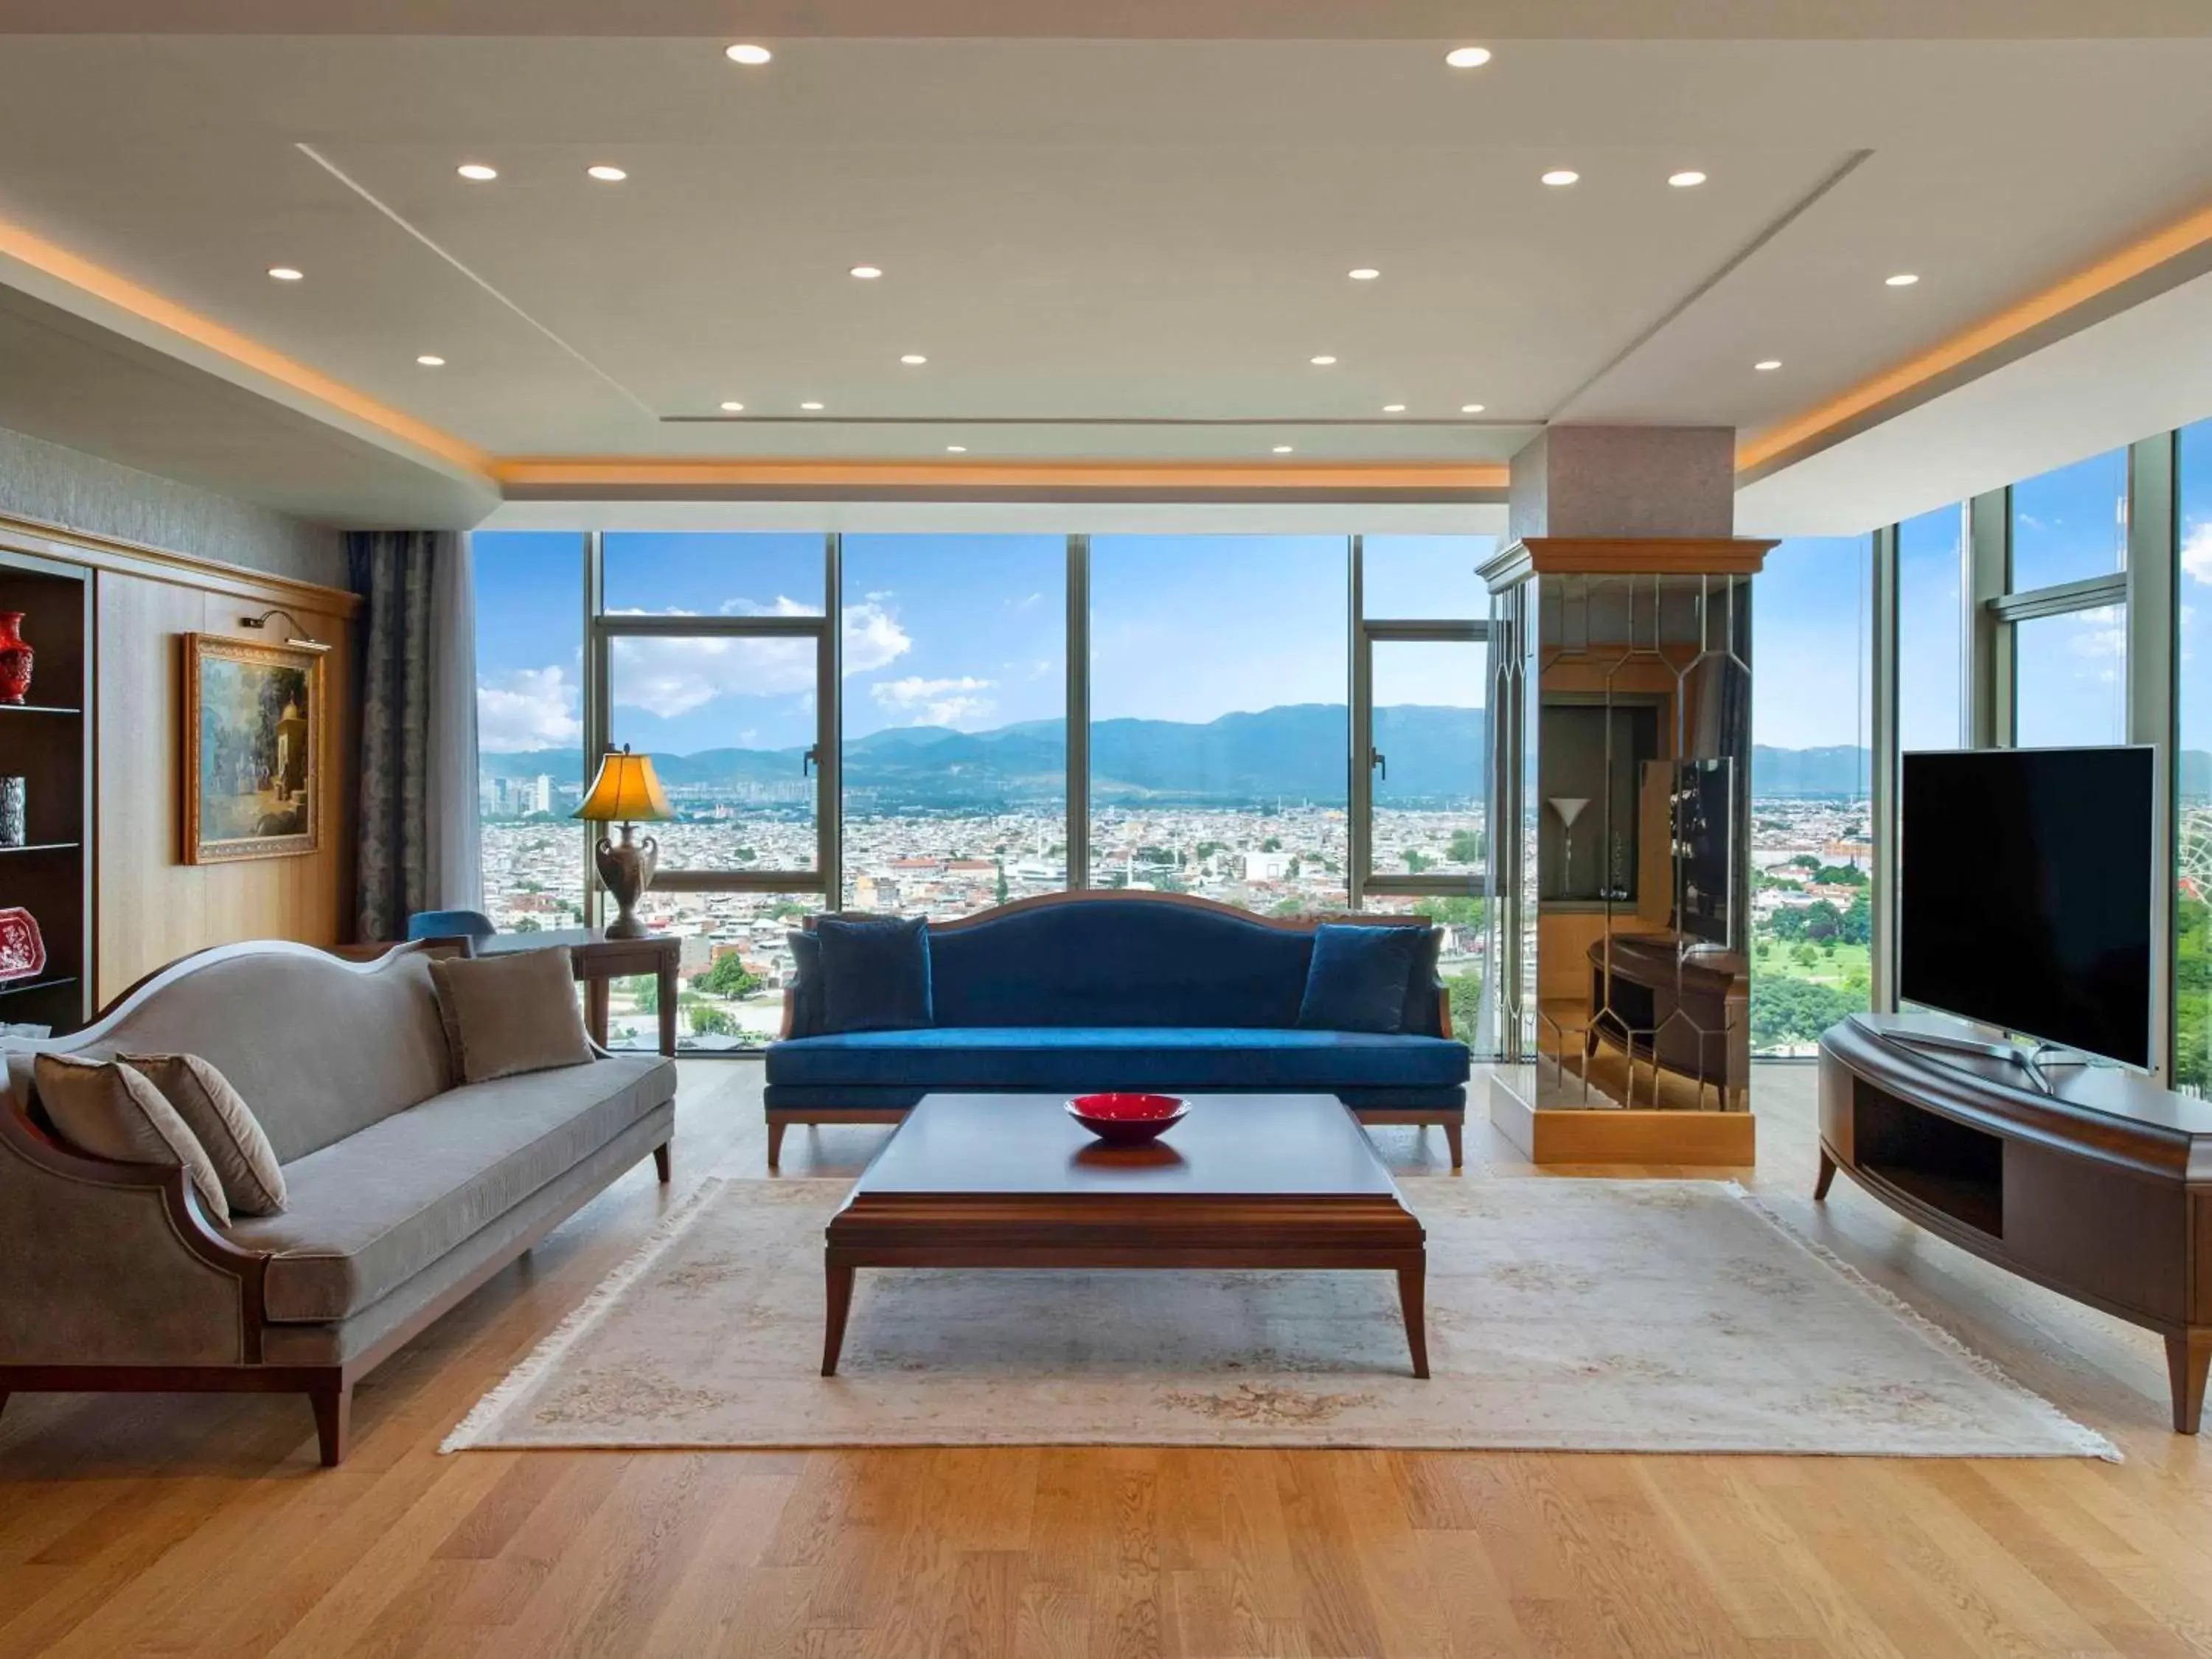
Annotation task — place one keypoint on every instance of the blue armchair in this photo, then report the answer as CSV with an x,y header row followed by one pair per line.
x,y
469,924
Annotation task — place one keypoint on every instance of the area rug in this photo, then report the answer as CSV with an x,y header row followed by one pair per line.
x,y
1617,1316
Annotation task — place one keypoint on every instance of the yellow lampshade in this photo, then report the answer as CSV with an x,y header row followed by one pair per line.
x,y
625,791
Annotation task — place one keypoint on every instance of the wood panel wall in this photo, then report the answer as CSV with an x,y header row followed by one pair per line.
x,y
152,906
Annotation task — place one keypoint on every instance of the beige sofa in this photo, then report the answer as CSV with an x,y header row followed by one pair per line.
x,y
405,1192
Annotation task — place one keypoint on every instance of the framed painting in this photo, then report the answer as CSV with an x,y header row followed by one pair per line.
x,y
253,748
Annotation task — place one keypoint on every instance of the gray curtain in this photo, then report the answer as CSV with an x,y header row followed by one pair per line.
x,y
417,843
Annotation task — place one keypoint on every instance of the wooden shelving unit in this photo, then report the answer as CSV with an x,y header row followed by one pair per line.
x,y
48,742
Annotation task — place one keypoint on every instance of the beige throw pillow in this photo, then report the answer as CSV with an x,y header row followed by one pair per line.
x,y
108,1109
224,1124
510,1014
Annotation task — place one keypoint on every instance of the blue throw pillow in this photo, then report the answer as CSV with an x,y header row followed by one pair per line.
x,y
1421,1016
1357,980
875,976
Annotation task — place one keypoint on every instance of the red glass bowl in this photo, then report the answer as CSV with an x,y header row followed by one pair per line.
x,y
1127,1119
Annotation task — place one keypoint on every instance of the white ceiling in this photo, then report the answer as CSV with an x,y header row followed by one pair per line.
x,y
1141,20
1093,241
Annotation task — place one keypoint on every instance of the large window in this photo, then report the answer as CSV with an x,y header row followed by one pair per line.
x,y
1218,718
955,765
1812,858
530,658
880,723
2070,524
1931,630
2192,967
2069,527
713,652
1421,727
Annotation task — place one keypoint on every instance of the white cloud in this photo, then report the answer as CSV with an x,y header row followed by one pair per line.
x,y
2099,634
936,703
670,676
873,638
529,708
2196,552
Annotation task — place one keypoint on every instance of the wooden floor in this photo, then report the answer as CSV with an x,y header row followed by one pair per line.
x,y
184,1526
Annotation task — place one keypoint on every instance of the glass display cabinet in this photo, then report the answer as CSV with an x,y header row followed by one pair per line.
x,y
1621,875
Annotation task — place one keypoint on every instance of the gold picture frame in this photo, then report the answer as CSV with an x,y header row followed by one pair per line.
x,y
253,754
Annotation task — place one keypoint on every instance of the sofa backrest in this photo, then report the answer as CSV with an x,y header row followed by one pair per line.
x,y
319,1047
1105,961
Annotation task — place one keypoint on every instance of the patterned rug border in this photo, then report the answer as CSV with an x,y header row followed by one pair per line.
x,y
585,1314
475,1431
2088,1440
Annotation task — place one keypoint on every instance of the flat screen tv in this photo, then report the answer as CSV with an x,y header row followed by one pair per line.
x,y
2024,893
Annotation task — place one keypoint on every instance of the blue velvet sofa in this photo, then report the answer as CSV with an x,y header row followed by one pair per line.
x,y
1077,992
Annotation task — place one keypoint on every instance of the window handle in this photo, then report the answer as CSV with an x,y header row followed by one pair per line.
x,y
1378,762
810,760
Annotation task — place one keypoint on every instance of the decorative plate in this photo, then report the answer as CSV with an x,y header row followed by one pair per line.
x,y
22,952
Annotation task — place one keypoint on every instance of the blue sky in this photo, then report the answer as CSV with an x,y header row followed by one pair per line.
x,y
970,631
967,631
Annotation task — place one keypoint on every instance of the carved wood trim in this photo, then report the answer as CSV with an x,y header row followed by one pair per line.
x,y
1184,900
110,553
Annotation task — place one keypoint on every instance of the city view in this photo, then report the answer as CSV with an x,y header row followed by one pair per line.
x,y
917,843
906,857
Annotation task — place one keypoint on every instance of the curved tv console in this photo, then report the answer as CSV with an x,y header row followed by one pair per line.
x,y
2101,1189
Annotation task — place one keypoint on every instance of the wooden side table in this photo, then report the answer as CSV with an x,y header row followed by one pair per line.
x,y
598,962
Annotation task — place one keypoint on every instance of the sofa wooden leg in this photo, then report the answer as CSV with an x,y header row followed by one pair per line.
x,y
774,1142
660,1162
1454,1137
333,1421
1826,1178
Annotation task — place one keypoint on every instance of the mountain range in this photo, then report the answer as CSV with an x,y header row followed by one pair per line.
x,y
1291,752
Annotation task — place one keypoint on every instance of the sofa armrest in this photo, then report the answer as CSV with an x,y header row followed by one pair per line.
x,y
114,1264
790,1013
1443,1009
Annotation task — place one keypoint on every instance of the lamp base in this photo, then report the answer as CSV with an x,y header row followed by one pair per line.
x,y
626,870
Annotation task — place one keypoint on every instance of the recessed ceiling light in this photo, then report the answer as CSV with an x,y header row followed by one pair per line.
x,y
1768,365
734,409
1558,176
1467,57
1283,449
1470,409
1365,274
286,274
747,54
1903,279
1322,361
1394,409
431,360
867,273
914,360
607,175
1686,181
809,406
956,449
477,171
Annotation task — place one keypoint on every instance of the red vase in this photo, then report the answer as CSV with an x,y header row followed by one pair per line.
x,y
14,659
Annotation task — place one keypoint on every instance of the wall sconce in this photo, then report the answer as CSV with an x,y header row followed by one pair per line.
x,y
302,640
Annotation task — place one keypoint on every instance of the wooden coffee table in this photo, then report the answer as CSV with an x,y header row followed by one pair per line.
x,y
1010,1181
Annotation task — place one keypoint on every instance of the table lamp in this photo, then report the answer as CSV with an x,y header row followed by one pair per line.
x,y
626,793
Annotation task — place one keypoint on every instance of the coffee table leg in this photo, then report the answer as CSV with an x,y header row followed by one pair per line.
x,y
839,1284
1410,1281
